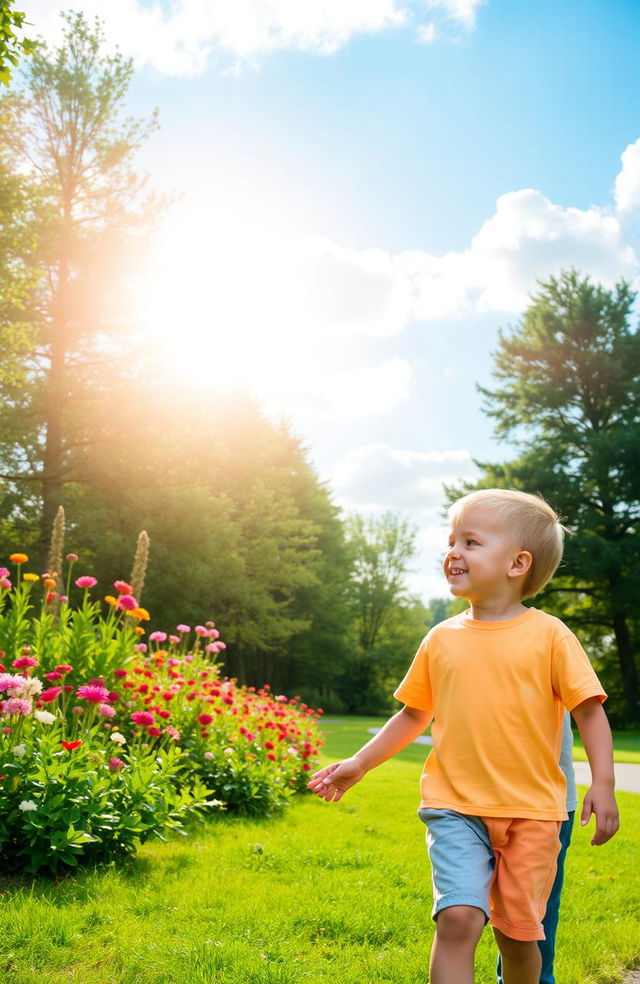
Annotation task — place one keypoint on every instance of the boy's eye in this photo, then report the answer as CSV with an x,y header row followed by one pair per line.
x,y
470,542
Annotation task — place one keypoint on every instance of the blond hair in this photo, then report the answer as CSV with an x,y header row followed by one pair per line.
x,y
535,526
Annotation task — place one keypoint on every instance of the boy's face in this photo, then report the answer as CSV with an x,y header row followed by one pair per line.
x,y
480,556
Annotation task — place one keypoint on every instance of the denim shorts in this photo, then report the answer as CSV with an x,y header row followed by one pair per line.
x,y
461,860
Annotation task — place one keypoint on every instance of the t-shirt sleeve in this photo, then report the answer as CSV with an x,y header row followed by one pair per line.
x,y
573,677
415,689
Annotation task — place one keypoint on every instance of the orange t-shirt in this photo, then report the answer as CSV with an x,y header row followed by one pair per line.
x,y
497,691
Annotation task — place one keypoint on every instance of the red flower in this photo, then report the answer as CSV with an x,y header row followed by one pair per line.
x,y
269,744
48,696
122,587
120,673
154,731
205,718
143,717
271,757
54,675
70,745
63,668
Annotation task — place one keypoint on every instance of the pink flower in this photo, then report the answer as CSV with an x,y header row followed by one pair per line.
x,y
53,676
86,581
172,732
64,599
106,711
71,557
144,718
141,647
208,755
4,572
23,662
5,583
158,637
213,633
48,696
115,764
123,588
17,705
183,628
201,630
174,639
126,603
94,693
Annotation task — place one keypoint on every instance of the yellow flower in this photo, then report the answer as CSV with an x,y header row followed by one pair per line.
x,y
30,577
110,600
140,613
18,558
249,756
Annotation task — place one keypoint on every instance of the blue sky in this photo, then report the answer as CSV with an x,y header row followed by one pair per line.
x,y
370,188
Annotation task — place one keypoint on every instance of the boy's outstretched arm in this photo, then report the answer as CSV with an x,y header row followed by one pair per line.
x,y
600,799
332,782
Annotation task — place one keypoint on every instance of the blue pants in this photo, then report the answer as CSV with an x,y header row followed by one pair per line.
x,y
550,921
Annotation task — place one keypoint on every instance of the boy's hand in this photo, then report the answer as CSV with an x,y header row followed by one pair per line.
x,y
332,782
601,801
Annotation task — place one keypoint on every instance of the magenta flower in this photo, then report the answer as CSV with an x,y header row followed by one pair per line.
x,y
17,705
158,637
106,711
4,572
8,681
5,583
115,764
143,717
23,662
126,602
94,693
86,581
54,675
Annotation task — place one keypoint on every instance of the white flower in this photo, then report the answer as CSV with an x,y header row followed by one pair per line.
x,y
30,687
19,750
118,738
292,751
44,717
27,805
228,751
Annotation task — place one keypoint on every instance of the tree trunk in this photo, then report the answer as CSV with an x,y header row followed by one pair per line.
x,y
628,669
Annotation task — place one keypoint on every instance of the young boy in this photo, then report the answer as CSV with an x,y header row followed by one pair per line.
x,y
494,681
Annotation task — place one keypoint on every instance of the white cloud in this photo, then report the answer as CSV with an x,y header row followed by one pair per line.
x,y
369,391
627,187
528,238
179,37
377,476
460,12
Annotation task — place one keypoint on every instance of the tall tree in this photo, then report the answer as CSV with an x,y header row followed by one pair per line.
x,y
567,395
67,130
13,43
382,549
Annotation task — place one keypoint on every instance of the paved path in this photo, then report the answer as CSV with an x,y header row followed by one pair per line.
x,y
627,776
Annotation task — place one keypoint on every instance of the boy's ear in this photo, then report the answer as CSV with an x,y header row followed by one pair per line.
x,y
521,564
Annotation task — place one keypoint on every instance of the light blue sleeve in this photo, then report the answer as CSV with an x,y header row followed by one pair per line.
x,y
566,762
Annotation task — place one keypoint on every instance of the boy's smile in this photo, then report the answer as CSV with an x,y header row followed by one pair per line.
x,y
482,558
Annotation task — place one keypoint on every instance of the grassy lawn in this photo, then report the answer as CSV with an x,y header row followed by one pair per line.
x,y
324,893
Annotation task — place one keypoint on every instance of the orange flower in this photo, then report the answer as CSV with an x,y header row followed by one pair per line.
x,y
140,613
139,630
49,582
30,577
18,558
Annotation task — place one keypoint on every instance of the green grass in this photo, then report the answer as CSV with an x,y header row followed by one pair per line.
x,y
626,747
326,893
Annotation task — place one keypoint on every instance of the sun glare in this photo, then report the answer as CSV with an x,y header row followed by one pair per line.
x,y
216,300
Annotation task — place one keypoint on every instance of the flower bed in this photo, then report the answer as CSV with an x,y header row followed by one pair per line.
x,y
116,740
